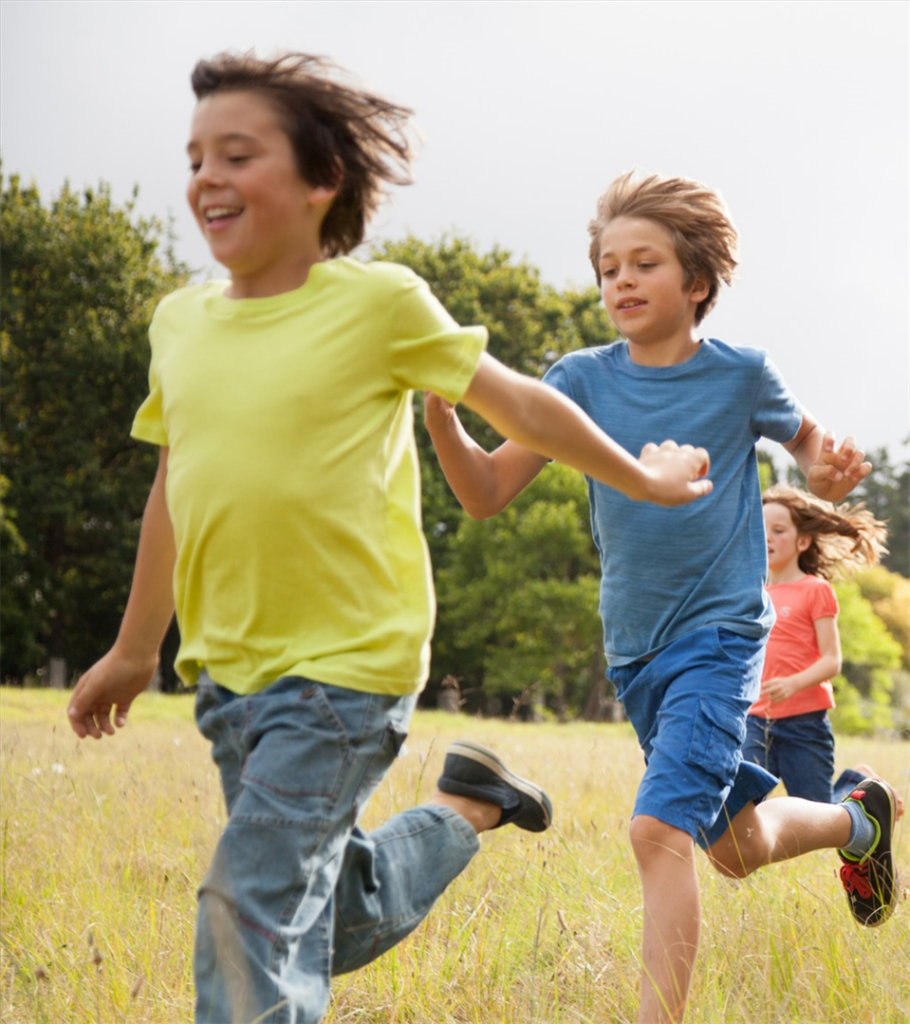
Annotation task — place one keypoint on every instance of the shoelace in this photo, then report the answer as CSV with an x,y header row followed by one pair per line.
x,y
856,879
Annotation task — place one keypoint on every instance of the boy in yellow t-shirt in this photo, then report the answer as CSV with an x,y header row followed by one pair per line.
x,y
284,526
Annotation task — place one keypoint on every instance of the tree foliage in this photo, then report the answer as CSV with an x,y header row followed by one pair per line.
x,y
871,658
518,599
79,281
886,492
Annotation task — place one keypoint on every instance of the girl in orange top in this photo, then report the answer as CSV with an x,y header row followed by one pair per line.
x,y
788,732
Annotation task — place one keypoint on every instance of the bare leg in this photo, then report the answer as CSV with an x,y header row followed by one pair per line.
x,y
672,914
478,813
778,830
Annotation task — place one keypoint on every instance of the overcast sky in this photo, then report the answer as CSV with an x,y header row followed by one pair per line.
x,y
797,112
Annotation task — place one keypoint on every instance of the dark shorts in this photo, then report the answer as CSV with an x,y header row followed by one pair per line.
x,y
799,749
689,706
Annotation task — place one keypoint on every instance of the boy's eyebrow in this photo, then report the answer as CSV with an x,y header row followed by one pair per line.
x,y
636,249
227,137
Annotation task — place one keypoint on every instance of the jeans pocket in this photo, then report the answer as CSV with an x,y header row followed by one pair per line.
x,y
718,734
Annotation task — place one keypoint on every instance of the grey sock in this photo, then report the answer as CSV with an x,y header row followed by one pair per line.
x,y
862,830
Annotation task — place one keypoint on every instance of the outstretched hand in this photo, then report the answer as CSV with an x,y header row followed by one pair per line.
x,y
111,684
837,470
677,474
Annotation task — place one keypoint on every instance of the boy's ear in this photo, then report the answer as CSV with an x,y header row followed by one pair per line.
x,y
699,289
324,195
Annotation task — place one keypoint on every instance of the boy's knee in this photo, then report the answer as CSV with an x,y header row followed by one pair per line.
x,y
728,859
653,839
739,851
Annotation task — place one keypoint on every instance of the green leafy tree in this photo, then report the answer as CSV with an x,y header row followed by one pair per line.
x,y
886,492
871,659
79,280
767,471
518,601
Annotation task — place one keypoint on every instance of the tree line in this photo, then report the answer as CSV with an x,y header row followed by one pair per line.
x,y
518,629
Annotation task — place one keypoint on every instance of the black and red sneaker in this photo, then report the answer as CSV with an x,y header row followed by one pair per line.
x,y
869,880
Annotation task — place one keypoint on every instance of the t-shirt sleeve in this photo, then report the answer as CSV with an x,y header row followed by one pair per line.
x,y
823,602
429,351
776,414
558,377
148,423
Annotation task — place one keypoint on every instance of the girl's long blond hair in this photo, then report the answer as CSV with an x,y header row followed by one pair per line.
x,y
843,538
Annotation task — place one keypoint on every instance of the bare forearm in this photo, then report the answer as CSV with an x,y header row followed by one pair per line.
x,y
806,447
820,671
544,421
151,601
115,680
484,482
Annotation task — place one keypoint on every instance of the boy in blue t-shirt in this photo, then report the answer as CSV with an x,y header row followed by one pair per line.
x,y
682,598
285,517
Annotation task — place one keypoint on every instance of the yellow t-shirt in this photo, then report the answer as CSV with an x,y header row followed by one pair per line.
x,y
293,484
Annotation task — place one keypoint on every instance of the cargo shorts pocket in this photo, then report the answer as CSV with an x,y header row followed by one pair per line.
x,y
718,734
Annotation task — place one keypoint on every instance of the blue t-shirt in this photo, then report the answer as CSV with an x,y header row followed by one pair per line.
x,y
669,571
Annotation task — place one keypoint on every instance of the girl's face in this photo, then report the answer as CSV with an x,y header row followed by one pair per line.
x,y
785,544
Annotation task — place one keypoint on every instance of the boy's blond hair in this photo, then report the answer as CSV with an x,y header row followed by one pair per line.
x,y
340,133
842,538
695,215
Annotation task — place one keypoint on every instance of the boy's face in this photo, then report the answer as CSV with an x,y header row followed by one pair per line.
x,y
643,283
259,216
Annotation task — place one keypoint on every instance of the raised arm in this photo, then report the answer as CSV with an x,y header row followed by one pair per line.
x,y
831,472
543,424
122,674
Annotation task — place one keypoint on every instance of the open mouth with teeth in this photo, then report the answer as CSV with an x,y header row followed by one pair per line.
x,y
631,304
220,213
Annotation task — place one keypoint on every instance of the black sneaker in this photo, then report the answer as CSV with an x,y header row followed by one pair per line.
x,y
473,771
869,880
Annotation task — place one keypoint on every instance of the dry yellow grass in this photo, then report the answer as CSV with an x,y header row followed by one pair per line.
x,y
104,843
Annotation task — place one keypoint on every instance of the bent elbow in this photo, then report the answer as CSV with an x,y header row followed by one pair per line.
x,y
480,510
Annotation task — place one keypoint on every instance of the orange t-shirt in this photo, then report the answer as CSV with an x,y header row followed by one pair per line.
x,y
793,644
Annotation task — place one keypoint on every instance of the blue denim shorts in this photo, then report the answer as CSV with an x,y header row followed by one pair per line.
x,y
689,706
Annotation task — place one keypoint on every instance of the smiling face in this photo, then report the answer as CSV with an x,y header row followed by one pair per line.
x,y
645,292
785,543
259,216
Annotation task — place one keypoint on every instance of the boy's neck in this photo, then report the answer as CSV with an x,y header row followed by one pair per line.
x,y
664,352
278,281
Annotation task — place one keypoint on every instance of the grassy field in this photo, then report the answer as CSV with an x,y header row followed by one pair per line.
x,y
104,843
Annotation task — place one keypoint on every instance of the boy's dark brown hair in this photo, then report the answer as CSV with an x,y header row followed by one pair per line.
x,y
841,538
695,215
340,133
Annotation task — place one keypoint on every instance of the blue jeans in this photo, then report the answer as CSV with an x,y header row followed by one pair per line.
x,y
800,751
296,892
